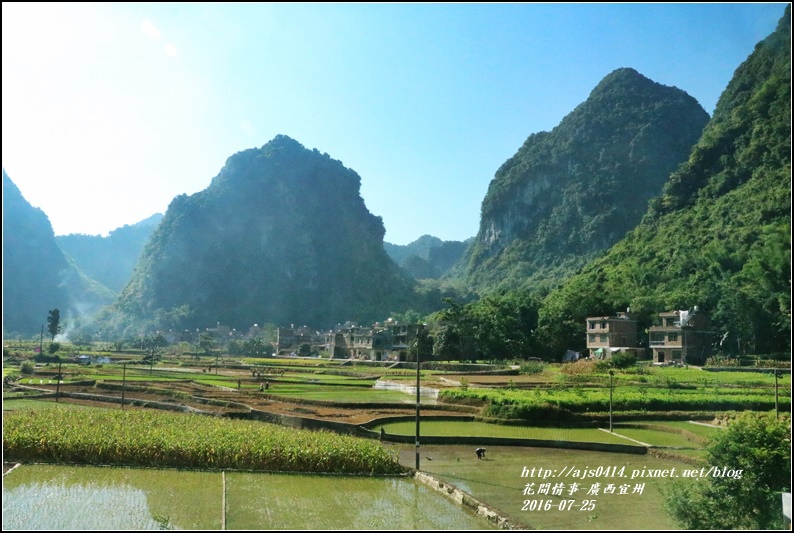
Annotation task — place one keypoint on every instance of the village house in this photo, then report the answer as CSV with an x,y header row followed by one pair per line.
x,y
682,337
381,342
292,337
608,335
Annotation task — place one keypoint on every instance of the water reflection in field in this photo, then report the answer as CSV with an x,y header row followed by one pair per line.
x,y
43,497
324,502
40,497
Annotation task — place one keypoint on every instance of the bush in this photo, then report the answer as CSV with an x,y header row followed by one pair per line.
x,y
756,448
532,367
537,414
26,368
623,360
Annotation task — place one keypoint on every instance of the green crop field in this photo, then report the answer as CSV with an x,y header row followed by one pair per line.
x,y
444,428
155,438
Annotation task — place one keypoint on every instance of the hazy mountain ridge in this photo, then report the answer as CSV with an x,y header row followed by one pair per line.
x,y
110,260
427,257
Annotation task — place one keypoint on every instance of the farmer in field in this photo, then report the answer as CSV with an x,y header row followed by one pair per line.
x,y
480,453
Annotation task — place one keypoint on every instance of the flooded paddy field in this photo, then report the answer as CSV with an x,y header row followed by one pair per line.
x,y
44,497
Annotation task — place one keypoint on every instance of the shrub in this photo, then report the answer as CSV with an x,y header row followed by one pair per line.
x,y
26,368
623,360
756,447
531,367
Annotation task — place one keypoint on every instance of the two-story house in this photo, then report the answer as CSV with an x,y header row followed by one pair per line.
x,y
682,337
607,335
292,337
389,342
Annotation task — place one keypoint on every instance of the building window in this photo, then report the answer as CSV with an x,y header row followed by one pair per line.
x,y
592,325
603,325
604,338
670,322
672,337
591,338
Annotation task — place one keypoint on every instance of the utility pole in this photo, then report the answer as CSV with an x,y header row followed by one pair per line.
x,y
418,388
611,373
58,383
123,383
417,405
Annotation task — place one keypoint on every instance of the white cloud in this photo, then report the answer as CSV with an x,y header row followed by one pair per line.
x,y
247,127
150,30
170,50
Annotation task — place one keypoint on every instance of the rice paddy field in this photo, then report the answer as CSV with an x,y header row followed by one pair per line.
x,y
57,497
444,428
585,498
578,490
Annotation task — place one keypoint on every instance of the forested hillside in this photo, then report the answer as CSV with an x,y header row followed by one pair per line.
x,y
719,236
571,193
280,236
37,277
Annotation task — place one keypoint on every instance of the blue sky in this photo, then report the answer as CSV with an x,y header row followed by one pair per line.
x,y
112,110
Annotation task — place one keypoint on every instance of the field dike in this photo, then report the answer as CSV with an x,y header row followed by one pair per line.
x,y
465,499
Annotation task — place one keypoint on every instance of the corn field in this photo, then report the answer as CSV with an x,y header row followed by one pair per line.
x,y
163,439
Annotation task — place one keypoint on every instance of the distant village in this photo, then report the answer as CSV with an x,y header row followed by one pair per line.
x,y
681,336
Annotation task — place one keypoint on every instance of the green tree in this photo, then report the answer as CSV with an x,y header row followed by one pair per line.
x,y
206,342
503,326
154,345
256,347
54,323
453,335
422,345
152,357
305,350
756,447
